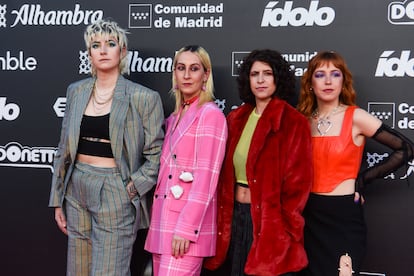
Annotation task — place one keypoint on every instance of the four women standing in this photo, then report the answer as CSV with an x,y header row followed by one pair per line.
x,y
108,155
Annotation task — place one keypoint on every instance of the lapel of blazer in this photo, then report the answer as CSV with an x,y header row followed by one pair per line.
x,y
119,108
79,102
178,131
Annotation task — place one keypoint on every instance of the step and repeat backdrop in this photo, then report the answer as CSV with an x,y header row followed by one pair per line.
x,y
42,52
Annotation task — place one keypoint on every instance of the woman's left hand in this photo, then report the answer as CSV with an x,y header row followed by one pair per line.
x,y
180,246
358,197
345,266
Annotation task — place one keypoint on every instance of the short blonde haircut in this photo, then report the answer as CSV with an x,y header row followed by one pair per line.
x,y
207,95
107,27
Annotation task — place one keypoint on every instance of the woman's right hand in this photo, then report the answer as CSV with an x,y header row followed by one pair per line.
x,y
180,246
61,220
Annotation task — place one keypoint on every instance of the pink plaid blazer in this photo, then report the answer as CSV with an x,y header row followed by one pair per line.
x,y
195,144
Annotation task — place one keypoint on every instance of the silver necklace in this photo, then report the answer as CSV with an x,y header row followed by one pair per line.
x,y
102,97
100,106
323,124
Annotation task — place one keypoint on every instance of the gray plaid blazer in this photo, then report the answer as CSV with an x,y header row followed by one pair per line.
x,y
135,130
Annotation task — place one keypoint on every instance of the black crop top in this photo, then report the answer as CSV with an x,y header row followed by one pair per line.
x,y
92,129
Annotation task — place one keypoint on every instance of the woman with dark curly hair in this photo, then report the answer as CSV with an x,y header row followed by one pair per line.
x,y
266,175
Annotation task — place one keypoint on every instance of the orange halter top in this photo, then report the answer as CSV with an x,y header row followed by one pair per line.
x,y
336,158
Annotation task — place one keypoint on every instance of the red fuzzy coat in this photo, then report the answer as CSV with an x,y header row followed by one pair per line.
x,y
279,171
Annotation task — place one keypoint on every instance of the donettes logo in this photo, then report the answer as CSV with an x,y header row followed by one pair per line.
x,y
401,13
16,155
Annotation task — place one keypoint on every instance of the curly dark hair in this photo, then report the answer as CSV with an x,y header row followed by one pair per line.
x,y
284,77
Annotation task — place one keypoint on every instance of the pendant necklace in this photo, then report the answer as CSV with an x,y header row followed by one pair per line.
x,y
323,124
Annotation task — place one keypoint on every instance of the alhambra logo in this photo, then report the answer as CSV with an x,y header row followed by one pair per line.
x,y
136,63
35,15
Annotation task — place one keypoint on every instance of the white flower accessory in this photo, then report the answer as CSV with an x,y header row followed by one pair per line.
x,y
186,177
177,191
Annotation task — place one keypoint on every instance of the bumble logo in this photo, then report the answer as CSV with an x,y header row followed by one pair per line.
x,y
389,66
17,63
274,16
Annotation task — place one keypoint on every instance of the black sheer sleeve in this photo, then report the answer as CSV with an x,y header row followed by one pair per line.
x,y
403,150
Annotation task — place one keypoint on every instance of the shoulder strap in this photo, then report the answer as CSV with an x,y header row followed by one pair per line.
x,y
347,122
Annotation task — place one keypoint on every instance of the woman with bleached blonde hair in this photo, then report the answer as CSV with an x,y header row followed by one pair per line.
x,y
184,213
107,159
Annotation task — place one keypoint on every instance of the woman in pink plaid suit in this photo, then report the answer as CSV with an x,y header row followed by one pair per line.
x,y
184,213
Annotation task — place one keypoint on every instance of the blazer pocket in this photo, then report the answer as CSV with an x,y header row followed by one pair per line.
x,y
177,205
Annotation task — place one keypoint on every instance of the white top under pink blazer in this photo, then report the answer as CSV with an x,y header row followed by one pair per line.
x,y
196,144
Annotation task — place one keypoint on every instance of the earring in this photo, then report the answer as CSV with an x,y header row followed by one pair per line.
x,y
203,87
311,89
176,87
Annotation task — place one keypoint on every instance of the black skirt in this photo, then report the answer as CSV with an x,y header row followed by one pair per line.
x,y
334,226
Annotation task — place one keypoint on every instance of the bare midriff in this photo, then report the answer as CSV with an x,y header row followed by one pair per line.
x,y
346,187
242,194
96,161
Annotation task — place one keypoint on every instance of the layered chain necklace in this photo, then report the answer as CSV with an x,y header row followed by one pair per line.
x,y
324,124
101,100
